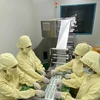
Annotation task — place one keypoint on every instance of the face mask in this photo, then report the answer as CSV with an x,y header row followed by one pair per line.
x,y
77,57
11,71
26,50
86,70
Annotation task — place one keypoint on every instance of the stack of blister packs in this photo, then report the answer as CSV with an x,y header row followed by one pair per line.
x,y
51,88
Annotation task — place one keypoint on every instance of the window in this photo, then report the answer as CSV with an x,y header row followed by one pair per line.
x,y
85,16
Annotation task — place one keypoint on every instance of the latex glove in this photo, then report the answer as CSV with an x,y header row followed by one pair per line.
x,y
40,93
43,73
37,86
53,72
59,84
57,95
46,80
68,76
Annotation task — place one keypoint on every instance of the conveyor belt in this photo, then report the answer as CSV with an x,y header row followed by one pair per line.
x,y
51,88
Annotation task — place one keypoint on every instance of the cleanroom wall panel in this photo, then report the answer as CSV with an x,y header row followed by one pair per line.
x,y
19,17
43,10
16,19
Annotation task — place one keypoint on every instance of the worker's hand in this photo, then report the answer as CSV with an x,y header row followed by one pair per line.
x,y
57,95
53,72
37,86
68,76
40,93
59,84
46,80
43,73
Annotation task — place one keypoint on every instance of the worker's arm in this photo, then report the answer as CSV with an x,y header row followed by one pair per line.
x,y
15,93
26,68
92,94
66,96
65,67
74,82
39,66
25,79
31,72
71,83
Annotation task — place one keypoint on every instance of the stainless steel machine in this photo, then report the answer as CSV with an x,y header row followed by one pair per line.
x,y
50,28
58,57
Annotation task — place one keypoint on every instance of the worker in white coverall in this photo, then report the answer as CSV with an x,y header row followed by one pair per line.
x,y
74,79
28,61
90,86
11,78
